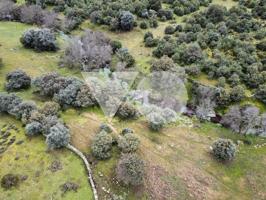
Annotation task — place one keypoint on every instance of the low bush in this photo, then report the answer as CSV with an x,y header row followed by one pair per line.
x,y
127,111
50,108
116,45
163,64
143,25
127,131
125,57
9,180
16,80
58,137
106,128
33,128
128,143
39,40
156,121
130,170
169,30
224,149
102,145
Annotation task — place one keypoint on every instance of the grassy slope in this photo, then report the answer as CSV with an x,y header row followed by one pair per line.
x,y
34,64
34,162
181,152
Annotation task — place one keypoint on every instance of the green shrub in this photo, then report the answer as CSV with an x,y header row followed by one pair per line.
x,y
237,94
9,180
106,128
50,108
34,128
16,80
58,136
130,169
151,42
163,64
143,25
156,121
224,149
128,143
169,30
39,40
127,111
116,45
102,145
126,20
125,57
127,131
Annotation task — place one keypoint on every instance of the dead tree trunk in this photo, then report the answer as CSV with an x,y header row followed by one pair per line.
x,y
81,155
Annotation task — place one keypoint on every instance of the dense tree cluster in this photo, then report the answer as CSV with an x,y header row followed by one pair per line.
x,y
39,40
234,38
226,44
120,14
186,7
67,91
16,80
29,14
36,121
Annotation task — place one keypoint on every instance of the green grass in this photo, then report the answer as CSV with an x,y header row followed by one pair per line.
x,y
33,162
16,57
174,149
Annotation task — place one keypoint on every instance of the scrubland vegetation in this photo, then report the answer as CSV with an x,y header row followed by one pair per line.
x,y
56,142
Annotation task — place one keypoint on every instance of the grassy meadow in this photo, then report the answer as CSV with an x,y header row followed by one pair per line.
x,y
178,162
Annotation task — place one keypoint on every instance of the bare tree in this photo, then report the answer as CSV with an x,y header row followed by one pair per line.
x,y
89,52
241,119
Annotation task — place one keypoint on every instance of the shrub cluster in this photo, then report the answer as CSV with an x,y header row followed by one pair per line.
x,y
226,44
67,91
149,40
16,80
57,134
186,7
30,13
125,57
39,40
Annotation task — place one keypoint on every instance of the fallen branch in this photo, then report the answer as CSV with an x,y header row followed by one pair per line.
x,y
81,155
